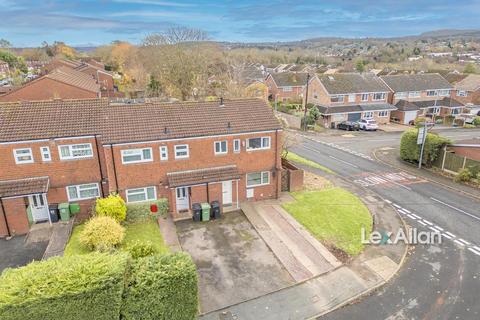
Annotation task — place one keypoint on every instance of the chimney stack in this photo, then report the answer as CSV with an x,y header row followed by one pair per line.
x,y
221,102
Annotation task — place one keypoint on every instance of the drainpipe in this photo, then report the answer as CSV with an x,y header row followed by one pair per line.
x,y
114,169
99,165
276,156
5,217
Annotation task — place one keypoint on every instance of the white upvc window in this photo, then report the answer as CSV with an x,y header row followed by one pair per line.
x,y
220,147
258,143
365,96
368,114
256,179
137,155
456,110
379,96
75,151
287,89
444,92
434,110
236,145
23,155
400,95
181,151
163,153
351,98
141,194
431,93
462,93
83,192
335,99
383,113
46,155
414,94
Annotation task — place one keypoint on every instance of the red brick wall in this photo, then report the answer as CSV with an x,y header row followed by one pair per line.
x,y
44,89
472,97
16,213
469,152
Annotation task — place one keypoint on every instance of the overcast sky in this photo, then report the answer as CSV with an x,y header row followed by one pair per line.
x,y
94,22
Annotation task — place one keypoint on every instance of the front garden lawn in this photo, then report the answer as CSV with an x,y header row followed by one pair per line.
x,y
299,159
148,230
334,216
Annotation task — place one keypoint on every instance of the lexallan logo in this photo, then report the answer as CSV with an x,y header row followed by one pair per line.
x,y
411,236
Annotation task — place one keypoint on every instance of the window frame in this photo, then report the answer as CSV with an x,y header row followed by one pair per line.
x,y
364,95
143,191
352,95
366,113
401,94
30,154
462,93
46,150
435,93
237,150
140,151
414,94
383,113
220,144
287,89
261,143
77,188
382,94
337,96
70,151
187,150
163,150
262,183
444,92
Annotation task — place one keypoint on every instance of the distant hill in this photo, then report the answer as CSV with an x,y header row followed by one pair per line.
x,y
450,33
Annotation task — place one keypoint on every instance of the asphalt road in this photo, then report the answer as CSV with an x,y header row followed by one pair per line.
x,y
440,281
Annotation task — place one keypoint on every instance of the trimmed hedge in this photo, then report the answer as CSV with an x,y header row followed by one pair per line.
x,y
76,287
410,150
162,287
138,212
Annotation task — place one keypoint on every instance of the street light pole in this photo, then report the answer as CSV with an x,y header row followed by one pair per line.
x,y
424,137
305,105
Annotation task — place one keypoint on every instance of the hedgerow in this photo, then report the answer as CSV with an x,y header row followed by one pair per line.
x,y
410,150
138,212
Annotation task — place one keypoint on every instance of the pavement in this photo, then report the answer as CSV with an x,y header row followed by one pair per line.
x,y
233,262
332,288
169,233
17,252
60,235
438,281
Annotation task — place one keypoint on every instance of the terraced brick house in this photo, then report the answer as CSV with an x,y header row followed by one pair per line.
x,y
286,86
77,150
467,90
415,95
350,97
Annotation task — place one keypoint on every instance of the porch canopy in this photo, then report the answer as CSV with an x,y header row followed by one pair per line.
x,y
202,176
23,187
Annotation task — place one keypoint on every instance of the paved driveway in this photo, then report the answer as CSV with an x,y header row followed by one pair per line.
x,y
16,252
233,262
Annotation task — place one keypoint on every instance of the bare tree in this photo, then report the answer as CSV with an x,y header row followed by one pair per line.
x,y
175,35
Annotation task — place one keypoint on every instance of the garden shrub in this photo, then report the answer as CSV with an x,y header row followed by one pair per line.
x,y
141,249
474,170
73,288
102,234
469,126
410,150
111,206
139,212
476,121
161,287
463,175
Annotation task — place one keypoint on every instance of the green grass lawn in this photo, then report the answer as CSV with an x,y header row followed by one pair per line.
x,y
133,231
296,158
334,216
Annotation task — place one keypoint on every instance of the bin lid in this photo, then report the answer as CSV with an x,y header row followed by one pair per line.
x,y
196,206
215,204
205,205
64,205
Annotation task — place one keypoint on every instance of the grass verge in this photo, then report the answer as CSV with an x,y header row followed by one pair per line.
x,y
334,216
296,158
147,231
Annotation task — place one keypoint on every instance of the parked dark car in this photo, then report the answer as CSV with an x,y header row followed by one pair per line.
x,y
348,125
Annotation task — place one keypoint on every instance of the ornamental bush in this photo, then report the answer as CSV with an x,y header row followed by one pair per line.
x,y
141,249
74,288
112,206
161,287
476,121
102,234
410,150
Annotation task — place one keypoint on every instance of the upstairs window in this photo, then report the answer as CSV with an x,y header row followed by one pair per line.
x,y
351,98
431,93
46,156
336,99
258,143
75,151
462,93
23,155
163,153
221,147
287,89
379,96
414,94
444,93
181,151
401,95
365,96
83,192
137,155
236,145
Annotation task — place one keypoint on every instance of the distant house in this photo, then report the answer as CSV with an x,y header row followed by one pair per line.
x,y
286,86
61,83
467,90
426,94
350,96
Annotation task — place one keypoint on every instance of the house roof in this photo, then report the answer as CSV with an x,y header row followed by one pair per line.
x,y
416,82
404,105
326,110
290,79
21,187
344,83
123,123
454,77
469,83
74,78
191,177
445,102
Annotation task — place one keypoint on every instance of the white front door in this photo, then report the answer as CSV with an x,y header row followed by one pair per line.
x,y
182,199
39,207
226,192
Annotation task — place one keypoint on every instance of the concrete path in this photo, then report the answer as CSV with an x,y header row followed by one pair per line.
x,y
58,240
169,233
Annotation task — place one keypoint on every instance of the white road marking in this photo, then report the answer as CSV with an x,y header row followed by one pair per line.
x,y
428,222
408,211
413,214
446,236
397,206
476,248
422,223
403,211
454,208
463,241
450,234
459,243
474,251
346,162
387,201
411,217
438,228
433,229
